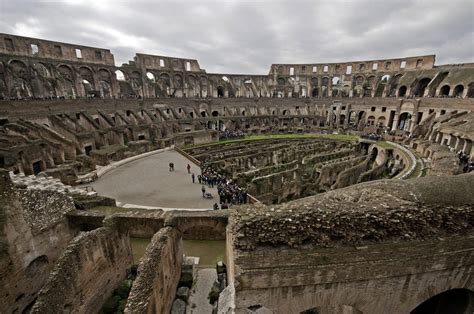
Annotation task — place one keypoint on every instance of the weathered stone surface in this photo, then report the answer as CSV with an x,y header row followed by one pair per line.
x,y
94,261
179,307
183,293
420,209
154,289
30,243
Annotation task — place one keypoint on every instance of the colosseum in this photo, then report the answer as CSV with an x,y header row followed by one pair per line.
x,y
157,187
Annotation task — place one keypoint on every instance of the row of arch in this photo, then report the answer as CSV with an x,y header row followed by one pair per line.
x,y
20,79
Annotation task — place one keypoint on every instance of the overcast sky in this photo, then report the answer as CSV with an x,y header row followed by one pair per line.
x,y
243,36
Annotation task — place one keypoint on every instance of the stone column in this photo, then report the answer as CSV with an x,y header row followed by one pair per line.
x,y
395,120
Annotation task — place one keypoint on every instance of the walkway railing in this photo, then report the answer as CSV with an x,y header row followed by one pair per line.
x,y
188,156
405,174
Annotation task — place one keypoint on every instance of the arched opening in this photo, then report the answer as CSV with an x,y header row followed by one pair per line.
x,y
371,121
220,91
455,301
151,77
284,112
243,112
215,113
381,121
402,91
421,87
458,90
444,91
342,119
381,85
315,92
87,87
119,75
37,266
203,114
405,119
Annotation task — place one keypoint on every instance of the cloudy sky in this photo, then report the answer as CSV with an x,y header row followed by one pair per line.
x,y
244,36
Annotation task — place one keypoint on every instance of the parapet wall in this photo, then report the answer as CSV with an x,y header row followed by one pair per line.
x,y
378,247
91,267
159,271
376,278
384,210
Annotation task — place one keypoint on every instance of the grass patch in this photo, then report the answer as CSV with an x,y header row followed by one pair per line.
x,y
417,171
250,138
385,144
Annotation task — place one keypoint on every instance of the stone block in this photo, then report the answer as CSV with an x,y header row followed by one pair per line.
x,y
183,293
179,307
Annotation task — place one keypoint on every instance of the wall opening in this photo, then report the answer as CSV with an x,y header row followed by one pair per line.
x,y
458,90
402,91
78,53
444,91
455,301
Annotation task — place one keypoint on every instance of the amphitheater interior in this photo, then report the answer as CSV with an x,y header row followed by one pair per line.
x,y
359,177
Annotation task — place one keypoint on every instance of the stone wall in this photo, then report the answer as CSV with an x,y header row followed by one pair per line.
x,y
378,247
36,68
88,271
154,289
376,278
33,233
383,210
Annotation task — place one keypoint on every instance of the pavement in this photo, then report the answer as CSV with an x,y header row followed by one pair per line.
x,y
148,182
198,301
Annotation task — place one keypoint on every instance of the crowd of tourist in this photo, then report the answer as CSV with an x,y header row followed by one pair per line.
x,y
231,134
229,192
371,136
466,164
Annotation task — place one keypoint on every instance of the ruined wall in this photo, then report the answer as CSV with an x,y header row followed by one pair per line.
x,y
33,233
380,247
53,133
36,68
383,278
88,271
154,289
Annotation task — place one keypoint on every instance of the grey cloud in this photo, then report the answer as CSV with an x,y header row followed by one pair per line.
x,y
247,36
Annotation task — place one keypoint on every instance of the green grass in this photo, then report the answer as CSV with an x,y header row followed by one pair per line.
x,y
417,172
338,137
384,144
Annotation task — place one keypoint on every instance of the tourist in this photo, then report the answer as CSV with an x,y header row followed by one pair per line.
x,y
229,192
193,177
216,206
203,190
228,134
189,168
199,178
171,165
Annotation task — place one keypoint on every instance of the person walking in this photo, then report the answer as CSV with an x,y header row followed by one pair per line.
x,y
189,168
199,178
193,177
171,166
203,190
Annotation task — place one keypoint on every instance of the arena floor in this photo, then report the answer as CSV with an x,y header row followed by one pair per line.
x,y
148,182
